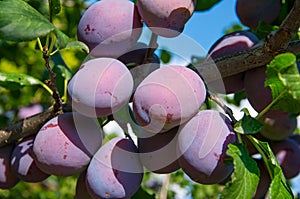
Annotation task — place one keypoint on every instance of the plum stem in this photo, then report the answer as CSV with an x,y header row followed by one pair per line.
x,y
265,110
226,109
153,45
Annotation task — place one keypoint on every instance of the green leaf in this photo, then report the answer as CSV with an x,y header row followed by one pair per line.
x,y
62,39
54,6
284,80
165,56
263,29
277,188
245,177
203,5
141,193
13,81
77,45
21,22
247,125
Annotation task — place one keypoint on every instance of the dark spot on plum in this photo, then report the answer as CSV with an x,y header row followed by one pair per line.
x,y
65,157
169,118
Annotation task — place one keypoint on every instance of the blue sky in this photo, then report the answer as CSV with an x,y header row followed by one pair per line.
x,y
206,27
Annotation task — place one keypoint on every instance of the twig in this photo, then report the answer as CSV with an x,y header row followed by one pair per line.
x,y
164,187
226,109
151,48
52,84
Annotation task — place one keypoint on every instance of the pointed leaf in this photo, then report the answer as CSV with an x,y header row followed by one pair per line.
x,y
284,80
13,81
277,188
247,125
77,45
62,38
245,177
21,22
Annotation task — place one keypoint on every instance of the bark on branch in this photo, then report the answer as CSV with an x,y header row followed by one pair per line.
x,y
260,55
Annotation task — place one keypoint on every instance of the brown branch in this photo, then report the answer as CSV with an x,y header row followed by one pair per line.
x,y
52,84
26,127
280,40
260,55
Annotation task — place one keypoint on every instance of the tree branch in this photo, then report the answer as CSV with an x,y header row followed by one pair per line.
x,y
26,127
259,55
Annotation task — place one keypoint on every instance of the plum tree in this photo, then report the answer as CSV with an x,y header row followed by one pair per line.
x,y
166,18
202,144
172,115
115,170
167,97
66,143
100,87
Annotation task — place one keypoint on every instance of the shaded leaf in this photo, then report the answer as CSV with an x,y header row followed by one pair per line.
x,y
62,39
13,81
54,6
141,193
205,4
21,22
247,125
77,45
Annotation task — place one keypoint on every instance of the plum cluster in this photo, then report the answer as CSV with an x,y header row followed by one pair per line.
x,y
174,130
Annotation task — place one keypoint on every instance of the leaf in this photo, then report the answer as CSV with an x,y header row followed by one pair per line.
x,y
21,22
245,177
141,193
13,81
54,6
263,29
62,38
203,5
165,56
284,80
278,189
247,125
77,45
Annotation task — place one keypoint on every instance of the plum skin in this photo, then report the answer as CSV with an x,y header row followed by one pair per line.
x,y
168,97
23,162
8,179
166,18
227,45
202,147
100,87
110,35
66,143
115,170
